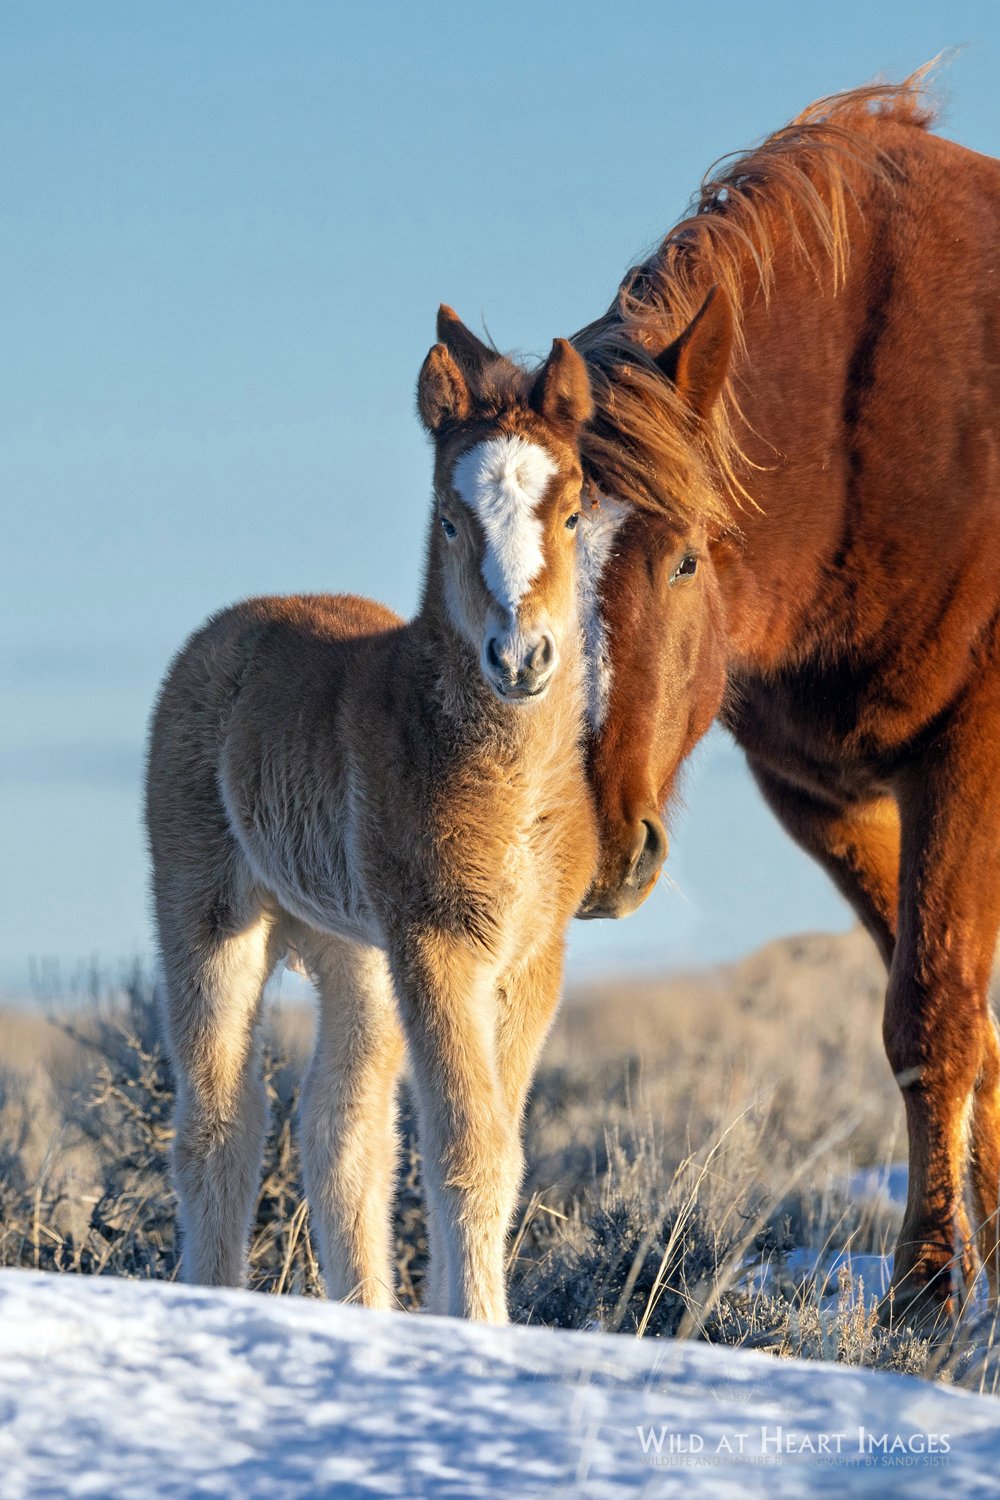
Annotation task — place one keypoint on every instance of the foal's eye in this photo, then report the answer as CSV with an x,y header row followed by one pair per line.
x,y
450,530
573,521
686,568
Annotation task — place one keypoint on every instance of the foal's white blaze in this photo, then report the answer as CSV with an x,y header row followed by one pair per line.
x,y
597,544
502,480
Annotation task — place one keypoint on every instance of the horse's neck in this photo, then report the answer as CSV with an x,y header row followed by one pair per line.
x,y
794,391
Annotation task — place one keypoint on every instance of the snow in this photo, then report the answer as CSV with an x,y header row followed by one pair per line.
x,y
881,1186
818,1272
133,1389
818,1268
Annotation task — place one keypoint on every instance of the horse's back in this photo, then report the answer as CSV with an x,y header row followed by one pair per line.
x,y
921,412
880,515
943,249
253,631
233,704
283,637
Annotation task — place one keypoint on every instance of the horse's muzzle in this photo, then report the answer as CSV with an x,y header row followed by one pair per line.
x,y
620,897
520,668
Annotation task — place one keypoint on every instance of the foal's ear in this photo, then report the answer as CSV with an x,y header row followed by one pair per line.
x,y
442,391
561,392
460,341
697,361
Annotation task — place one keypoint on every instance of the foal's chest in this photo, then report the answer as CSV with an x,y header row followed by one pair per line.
x,y
522,855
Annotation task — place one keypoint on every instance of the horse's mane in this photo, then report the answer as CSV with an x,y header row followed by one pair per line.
x,y
792,190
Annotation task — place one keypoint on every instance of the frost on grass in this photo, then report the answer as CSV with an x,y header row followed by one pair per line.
x,y
709,1159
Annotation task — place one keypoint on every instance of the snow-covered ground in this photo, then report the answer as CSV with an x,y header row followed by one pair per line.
x,y
877,1187
116,1388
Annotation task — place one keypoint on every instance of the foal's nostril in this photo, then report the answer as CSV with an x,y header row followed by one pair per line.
x,y
543,655
651,855
493,654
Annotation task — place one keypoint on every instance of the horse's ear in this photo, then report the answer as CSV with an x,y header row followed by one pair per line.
x,y
460,341
561,392
697,362
442,391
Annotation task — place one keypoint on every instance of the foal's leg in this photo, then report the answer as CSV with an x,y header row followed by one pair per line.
x,y
469,1138
938,1030
349,1143
527,998
215,973
857,844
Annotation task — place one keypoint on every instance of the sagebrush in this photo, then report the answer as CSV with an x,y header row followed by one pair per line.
x,y
676,1170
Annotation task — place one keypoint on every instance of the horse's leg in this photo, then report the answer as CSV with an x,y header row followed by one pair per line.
x,y
938,1030
469,1139
349,1144
985,1155
857,844
527,998
215,969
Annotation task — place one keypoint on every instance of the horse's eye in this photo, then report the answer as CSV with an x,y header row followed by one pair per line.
x,y
450,531
686,568
573,521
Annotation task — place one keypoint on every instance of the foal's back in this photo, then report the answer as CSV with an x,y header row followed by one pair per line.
x,y
251,755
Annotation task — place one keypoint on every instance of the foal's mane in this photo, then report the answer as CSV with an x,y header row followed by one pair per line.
x,y
790,194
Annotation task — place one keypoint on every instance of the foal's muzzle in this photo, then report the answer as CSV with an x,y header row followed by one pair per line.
x,y
520,666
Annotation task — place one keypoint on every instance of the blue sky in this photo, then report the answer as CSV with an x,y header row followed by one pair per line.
x,y
226,229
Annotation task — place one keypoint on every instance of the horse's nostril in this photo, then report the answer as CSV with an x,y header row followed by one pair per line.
x,y
543,654
493,654
652,854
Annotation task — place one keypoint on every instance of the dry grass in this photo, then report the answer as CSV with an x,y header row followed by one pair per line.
x,y
687,1139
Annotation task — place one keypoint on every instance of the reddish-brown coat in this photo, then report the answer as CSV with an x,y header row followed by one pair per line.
x,y
843,496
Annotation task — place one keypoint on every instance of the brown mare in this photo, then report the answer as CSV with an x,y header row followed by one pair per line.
x,y
813,555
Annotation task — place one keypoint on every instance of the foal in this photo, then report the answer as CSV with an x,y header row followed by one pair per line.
x,y
405,806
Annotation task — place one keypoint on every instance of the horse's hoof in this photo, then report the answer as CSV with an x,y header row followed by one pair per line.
x,y
930,1309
